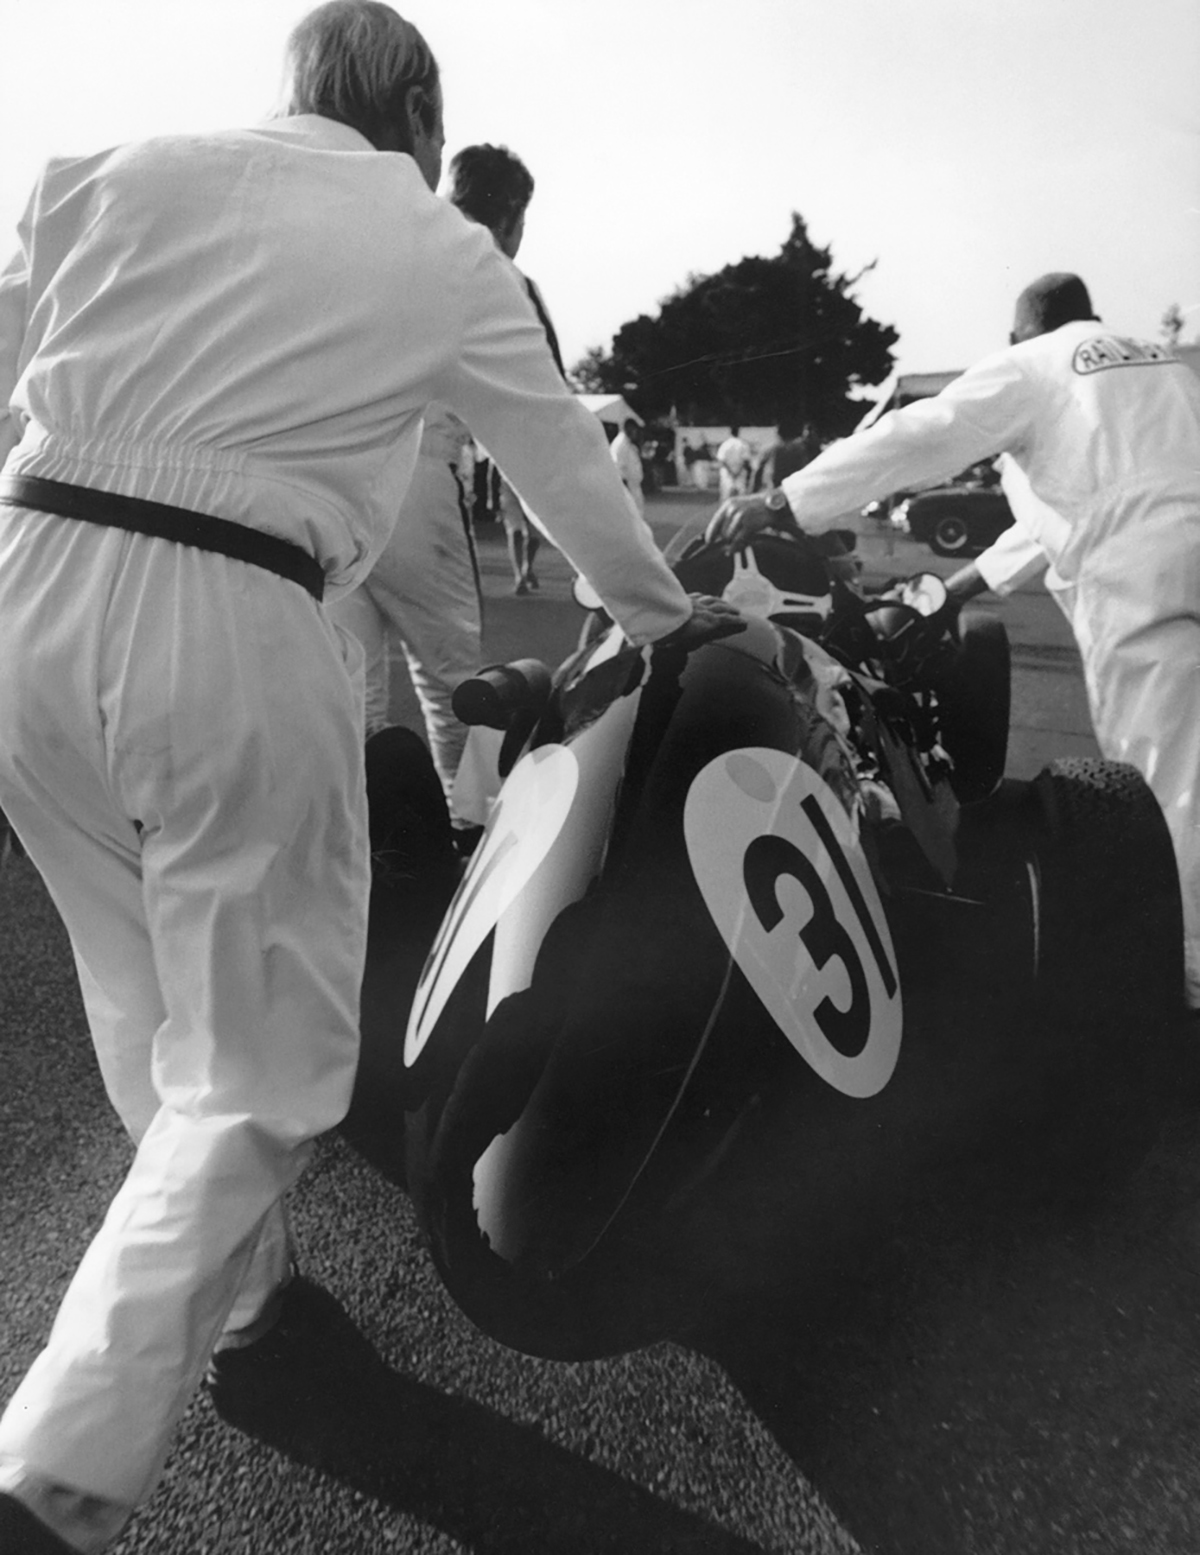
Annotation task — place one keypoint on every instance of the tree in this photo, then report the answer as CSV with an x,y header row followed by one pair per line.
x,y
760,341
588,374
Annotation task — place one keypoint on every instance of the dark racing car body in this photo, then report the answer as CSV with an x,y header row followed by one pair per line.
x,y
757,942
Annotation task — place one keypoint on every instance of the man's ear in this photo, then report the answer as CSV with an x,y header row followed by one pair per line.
x,y
420,109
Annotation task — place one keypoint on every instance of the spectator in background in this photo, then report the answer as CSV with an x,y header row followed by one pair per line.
x,y
486,487
628,460
522,538
796,445
734,459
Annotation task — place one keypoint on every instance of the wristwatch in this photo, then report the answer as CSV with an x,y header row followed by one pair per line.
x,y
777,502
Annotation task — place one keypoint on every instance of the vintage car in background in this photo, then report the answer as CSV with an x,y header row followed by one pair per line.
x,y
960,518
955,520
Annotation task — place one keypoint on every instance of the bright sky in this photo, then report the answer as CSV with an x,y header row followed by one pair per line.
x,y
965,145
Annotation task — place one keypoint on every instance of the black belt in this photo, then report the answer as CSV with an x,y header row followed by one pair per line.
x,y
166,523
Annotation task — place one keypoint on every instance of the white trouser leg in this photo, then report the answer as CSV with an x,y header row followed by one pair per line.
x,y
424,585
125,1011
209,703
357,613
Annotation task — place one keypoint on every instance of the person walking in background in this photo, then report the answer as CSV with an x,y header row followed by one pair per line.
x,y
216,351
627,457
521,538
1102,433
796,445
734,460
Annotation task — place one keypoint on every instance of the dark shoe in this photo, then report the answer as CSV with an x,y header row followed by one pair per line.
x,y
284,1314
245,1338
21,1533
304,1386
269,1372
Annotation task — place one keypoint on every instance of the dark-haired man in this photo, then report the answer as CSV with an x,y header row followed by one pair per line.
x,y
423,591
215,354
1102,434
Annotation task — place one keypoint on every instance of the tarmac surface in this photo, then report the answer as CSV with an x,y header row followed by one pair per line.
x,y
1000,1377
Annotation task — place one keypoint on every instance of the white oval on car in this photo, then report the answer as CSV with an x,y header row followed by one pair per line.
x,y
527,818
782,872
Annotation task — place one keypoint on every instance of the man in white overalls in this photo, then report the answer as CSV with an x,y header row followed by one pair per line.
x,y
1103,434
215,354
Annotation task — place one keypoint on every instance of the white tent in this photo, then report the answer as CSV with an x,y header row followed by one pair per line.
x,y
611,408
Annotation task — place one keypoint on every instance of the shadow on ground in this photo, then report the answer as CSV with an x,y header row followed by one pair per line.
x,y
1000,1375
325,1399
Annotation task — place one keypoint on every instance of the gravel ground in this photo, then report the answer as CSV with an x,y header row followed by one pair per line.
x,y
997,1381
401,1427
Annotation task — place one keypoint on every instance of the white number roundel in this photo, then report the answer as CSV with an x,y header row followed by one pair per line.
x,y
781,871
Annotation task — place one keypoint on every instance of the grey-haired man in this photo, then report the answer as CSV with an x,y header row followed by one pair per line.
x,y
216,351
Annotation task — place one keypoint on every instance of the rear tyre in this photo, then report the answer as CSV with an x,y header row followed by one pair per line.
x,y
950,535
1110,967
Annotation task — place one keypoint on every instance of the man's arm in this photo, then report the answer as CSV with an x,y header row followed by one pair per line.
x,y
985,410
1012,559
14,314
504,384
1017,554
966,583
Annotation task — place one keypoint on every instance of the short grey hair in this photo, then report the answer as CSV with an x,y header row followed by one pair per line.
x,y
356,61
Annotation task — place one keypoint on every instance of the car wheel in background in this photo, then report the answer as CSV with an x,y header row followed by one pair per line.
x,y
950,535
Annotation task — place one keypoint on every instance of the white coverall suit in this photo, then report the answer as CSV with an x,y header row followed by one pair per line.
x,y
425,589
248,324
1105,434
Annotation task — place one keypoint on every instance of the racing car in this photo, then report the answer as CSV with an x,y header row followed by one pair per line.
x,y
758,941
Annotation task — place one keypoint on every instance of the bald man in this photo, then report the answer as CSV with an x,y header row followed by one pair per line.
x,y
1102,433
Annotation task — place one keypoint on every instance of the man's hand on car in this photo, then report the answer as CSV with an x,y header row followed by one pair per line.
x,y
739,519
710,619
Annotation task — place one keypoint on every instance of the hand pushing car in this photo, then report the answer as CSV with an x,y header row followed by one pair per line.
x,y
739,519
